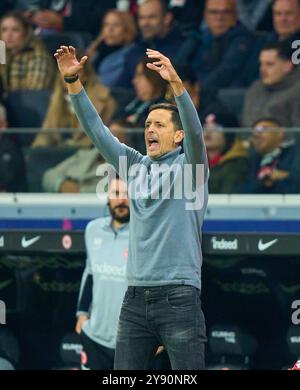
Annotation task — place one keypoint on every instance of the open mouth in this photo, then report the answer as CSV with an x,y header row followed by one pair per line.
x,y
153,145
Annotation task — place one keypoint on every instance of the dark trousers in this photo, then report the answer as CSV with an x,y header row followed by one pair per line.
x,y
168,315
95,356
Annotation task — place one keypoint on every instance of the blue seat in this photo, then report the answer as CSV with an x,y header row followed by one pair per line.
x,y
27,109
79,40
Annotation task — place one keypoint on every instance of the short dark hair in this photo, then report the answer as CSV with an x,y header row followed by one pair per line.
x,y
174,111
284,51
163,5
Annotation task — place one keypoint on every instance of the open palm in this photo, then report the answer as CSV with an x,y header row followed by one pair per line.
x,y
67,62
162,66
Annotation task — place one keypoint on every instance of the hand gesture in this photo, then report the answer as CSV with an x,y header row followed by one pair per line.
x,y
67,62
162,66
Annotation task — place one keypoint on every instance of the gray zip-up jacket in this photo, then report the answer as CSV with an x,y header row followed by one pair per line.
x,y
165,231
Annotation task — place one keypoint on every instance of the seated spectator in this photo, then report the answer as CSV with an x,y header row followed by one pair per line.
x,y
77,174
61,115
158,32
286,21
227,156
150,89
108,51
274,161
28,65
205,101
52,16
12,171
218,53
255,14
188,13
276,94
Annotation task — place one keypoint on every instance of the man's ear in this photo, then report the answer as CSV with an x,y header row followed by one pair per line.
x,y
178,136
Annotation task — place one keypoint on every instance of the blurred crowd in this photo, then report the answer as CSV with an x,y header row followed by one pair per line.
x,y
237,58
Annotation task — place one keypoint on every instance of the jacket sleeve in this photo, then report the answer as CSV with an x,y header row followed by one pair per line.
x,y
194,146
109,146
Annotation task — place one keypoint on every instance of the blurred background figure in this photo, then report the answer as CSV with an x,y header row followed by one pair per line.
x,y
218,52
102,291
274,160
158,31
53,16
286,21
28,64
276,93
227,156
109,49
83,172
12,165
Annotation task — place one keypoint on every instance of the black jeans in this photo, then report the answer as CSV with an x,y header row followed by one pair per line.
x,y
168,315
95,356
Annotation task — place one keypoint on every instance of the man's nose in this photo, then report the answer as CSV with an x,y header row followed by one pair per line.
x,y
151,129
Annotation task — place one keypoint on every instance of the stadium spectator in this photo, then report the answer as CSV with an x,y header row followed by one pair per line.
x,y
61,115
77,174
286,21
158,32
150,89
274,161
188,13
108,51
218,53
28,65
68,15
276,94
12,165
227,156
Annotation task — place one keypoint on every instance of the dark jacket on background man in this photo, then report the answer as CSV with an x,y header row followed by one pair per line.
x,y
280,101
273,37
218,61
167,45
12,166
287,159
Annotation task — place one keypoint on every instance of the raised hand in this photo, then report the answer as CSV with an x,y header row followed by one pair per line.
x,y
162,66
67,62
